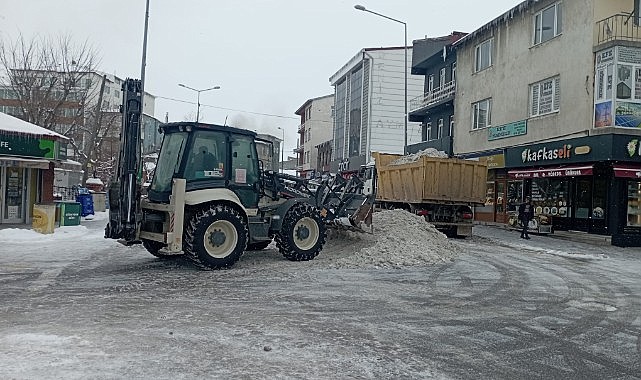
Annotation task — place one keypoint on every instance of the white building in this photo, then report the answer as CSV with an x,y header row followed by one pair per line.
x,y
369,105
315,128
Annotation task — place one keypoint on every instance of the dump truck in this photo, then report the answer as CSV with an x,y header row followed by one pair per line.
x,y
443,190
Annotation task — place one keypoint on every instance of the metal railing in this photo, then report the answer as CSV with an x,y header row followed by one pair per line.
x,y
618,27
443,92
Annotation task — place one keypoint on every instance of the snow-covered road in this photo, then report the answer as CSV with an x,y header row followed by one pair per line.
x,y
75,305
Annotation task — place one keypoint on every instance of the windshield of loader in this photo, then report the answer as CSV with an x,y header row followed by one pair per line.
x,y
169,159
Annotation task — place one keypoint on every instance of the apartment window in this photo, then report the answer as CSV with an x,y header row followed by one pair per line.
x,y
430,83
481,114
545,96
87,83
548,24
442,77
439,131
483,55
451,124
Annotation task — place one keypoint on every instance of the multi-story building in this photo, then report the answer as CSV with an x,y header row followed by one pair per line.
x,y
551,92
369,106
315,128
78,111
435,58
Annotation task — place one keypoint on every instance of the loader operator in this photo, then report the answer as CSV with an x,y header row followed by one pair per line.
x,y
203,162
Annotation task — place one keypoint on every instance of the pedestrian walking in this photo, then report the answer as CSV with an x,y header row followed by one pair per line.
x,y
526,214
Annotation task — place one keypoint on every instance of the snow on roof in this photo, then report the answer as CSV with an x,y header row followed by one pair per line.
x,y
94,181
11,124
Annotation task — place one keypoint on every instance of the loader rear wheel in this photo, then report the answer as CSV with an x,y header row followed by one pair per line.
x,y
303,233
215,237
154,247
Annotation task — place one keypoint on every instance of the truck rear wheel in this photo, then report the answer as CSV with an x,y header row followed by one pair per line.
x,y
215,237
303,233
154,247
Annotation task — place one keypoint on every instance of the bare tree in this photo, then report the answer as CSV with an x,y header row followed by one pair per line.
x,y
50,80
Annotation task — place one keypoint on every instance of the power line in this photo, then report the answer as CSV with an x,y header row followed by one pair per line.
x,y
228,109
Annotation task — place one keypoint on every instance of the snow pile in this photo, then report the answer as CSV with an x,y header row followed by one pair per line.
x,y
94,181
429,152
400,239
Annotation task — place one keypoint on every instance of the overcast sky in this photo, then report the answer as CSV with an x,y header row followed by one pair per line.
x,y
268,56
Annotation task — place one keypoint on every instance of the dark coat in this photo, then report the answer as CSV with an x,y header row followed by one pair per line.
x,y
526,211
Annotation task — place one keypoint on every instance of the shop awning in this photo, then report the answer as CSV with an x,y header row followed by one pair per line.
x,y
33,163
627,171
567,171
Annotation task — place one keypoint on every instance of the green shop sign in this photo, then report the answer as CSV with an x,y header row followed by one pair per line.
x,y
516,128
13,145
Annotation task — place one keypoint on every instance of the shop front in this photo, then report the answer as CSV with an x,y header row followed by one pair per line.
x,y
590,184
27,156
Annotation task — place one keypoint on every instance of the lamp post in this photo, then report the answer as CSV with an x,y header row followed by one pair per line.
x,y
282,152
362,8
198,98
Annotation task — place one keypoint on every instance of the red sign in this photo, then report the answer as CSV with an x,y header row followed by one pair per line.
x,y
575,171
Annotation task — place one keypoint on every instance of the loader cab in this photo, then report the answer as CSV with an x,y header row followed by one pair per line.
x,y
207,156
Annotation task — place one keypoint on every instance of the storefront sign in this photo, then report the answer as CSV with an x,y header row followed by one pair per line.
x,y
545,154
496,161
516,128
575,171
570,151
604,57
12,145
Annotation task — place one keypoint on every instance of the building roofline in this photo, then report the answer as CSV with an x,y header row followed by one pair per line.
x,y
503,18
299,111
358,58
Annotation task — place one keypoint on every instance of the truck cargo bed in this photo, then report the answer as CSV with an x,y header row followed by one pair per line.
x,y
430,180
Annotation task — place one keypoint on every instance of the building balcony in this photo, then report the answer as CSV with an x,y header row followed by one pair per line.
x,y
433,98
301,128
619,27
298,149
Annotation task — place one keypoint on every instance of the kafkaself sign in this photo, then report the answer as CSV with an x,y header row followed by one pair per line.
x,y
11,145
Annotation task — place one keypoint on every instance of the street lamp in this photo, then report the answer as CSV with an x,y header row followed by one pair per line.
x,y
198,99
362,8
282,152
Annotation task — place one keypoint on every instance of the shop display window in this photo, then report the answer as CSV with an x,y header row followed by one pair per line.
x,y
599,198
551,197
500,197
634,204
514,195
488,207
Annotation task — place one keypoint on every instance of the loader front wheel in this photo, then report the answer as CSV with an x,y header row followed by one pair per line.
x,y
303,233
216,237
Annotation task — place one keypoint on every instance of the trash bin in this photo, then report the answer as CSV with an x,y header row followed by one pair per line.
x,y
86,202
44,218
70,213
